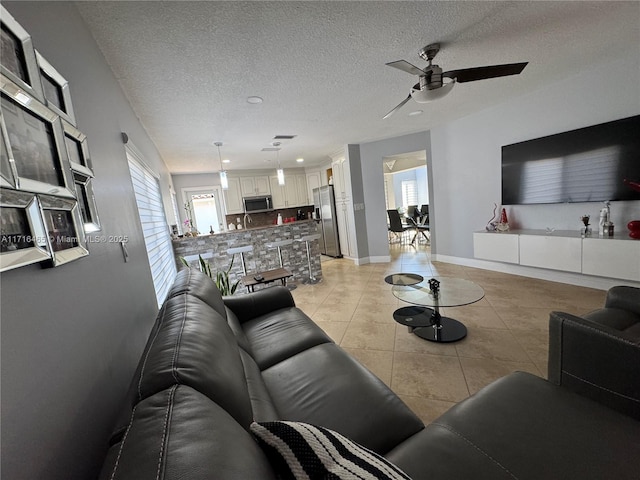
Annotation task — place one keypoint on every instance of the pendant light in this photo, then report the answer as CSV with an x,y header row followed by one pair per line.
x,y
279,171
224,182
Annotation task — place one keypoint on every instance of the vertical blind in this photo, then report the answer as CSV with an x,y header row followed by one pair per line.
x,y
154,227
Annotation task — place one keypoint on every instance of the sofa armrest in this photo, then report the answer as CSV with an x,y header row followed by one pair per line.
x,y
624,298
259,303
596,361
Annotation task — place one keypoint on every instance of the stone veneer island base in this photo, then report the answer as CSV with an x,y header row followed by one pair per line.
x,y
262,258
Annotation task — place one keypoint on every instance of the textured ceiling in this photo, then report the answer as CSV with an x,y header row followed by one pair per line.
x,y
188,67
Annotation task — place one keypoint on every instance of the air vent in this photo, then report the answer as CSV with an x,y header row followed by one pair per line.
x,y
284,137
270,149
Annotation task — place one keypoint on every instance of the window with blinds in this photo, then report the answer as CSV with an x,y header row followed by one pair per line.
x,y
409,193
154,226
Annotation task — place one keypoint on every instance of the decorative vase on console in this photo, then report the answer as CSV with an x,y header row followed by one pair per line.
x,y
503,224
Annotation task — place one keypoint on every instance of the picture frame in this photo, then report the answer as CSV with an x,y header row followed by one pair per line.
x,y
23,239
35,143
86,203
55,89
77,149
64,230
7,173
18,58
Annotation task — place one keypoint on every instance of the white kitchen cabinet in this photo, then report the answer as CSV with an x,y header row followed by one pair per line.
x,y
341,178
233,196
255,186
346,233
609,257
289,195
499,247
278,195
313,181
302,191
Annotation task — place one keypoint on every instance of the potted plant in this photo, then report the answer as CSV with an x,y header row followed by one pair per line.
x,y
220,278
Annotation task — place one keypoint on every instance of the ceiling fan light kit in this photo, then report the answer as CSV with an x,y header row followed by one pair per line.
x,y
431,86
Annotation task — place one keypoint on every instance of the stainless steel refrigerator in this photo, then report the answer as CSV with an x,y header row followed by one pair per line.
x,y
325,212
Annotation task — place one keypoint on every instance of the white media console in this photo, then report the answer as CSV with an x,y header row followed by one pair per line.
x,y
613,257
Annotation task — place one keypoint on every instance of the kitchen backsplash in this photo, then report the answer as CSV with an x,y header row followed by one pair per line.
x,y
269,218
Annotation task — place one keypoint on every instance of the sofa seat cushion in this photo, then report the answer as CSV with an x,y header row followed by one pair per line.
x,y
280,334
325,386
180,434
300,451
618,319
524,427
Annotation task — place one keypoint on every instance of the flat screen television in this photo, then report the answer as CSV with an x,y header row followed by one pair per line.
x,y
585,165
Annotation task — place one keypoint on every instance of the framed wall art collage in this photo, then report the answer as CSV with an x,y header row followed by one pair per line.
x,y
46,200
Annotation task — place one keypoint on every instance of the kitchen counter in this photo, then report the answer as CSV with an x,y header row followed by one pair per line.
x,y
294,256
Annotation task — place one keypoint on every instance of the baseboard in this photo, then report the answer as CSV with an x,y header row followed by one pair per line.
x,y
599,283
367,260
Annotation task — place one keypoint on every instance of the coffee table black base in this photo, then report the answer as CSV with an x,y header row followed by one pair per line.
x,y
451,331
414,316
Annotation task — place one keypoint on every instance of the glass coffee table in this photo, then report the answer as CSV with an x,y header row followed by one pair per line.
x,y
427,322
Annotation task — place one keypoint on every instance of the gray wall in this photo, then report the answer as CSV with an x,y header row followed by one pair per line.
x,y
371,157
72,335
463,158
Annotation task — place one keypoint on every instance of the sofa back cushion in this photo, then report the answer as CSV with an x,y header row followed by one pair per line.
x,y
193,345
180,434
199,285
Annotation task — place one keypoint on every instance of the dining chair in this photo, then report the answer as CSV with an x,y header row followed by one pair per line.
x,y
396,227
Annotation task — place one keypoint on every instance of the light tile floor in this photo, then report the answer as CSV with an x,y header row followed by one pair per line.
x,y
507,329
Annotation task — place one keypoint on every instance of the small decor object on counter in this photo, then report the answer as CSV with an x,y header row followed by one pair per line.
x,y
231,226
608,229
491,224
279,219
211,232
634,229
586,231
503,224
190,229
605,216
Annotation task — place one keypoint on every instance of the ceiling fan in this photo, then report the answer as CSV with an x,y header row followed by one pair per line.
x,y
431,85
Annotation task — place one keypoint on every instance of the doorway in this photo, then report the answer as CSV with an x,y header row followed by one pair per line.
x,y
206,208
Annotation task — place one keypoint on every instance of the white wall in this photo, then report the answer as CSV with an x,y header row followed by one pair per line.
x,y
464,158
467,156
72,335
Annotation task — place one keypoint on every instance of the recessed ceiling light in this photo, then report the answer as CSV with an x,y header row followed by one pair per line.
x,y
226,160
300,160
254,100
415,112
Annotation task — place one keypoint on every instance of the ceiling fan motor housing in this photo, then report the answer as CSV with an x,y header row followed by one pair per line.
x,y
432,79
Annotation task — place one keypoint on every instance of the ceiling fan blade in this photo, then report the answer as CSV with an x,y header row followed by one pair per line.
x,y
406,67
397,107
481,73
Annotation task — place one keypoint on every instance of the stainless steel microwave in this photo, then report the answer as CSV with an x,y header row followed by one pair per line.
x,y
257,204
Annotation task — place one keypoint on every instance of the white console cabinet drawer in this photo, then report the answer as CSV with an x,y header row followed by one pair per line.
x,y
611,258
555,253
499,247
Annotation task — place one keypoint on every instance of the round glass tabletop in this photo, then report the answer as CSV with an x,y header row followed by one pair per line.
x,y
403,278
453,292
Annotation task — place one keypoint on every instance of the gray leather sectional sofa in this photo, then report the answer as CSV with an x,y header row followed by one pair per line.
x,y
213,365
